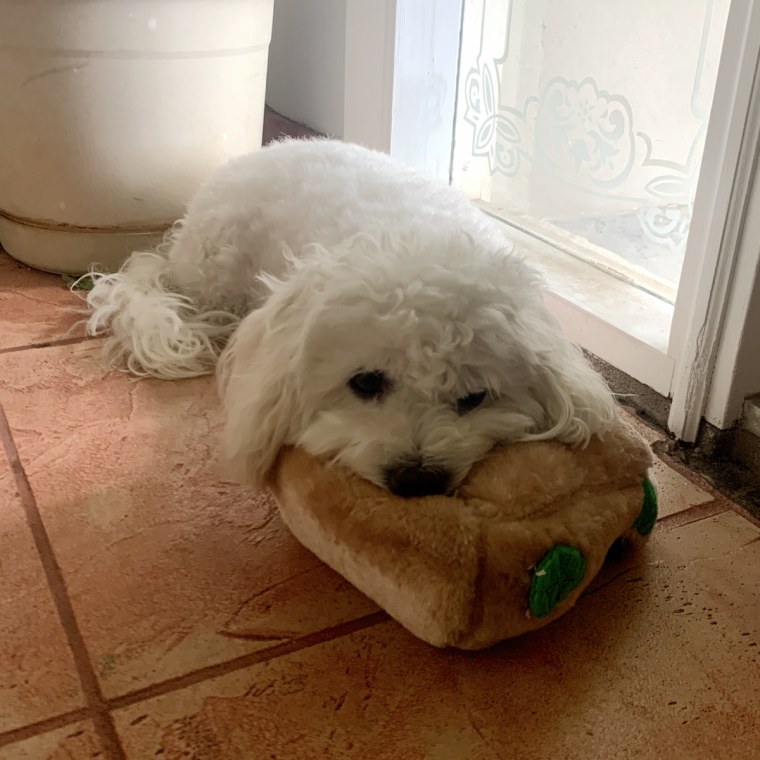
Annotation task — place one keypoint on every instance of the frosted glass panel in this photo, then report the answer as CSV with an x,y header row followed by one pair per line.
x,y
583,123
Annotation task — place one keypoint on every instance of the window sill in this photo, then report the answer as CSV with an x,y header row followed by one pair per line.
x,y
626,327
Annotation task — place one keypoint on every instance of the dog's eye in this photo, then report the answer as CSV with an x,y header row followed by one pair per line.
x,y
368,385
470,401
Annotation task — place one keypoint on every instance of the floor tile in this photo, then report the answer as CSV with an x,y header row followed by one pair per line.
x,y
169,568
276,127
35,307
661,662
75,742
675,492
37,675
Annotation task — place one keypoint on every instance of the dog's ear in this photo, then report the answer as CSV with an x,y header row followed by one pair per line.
x,y
575,398
259,382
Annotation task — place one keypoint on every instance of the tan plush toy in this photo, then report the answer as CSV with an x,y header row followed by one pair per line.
x,y
511,551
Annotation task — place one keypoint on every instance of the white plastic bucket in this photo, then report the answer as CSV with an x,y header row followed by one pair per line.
x,y
113,112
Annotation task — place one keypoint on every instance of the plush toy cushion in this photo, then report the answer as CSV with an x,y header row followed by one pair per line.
x,y
511,551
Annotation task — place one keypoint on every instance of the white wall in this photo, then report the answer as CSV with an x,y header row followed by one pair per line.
x,y
737,365
747,379
306,75
370,43
424,84
381,73
737,373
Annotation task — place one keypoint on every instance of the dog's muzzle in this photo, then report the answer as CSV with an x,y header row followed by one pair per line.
x,y
416,479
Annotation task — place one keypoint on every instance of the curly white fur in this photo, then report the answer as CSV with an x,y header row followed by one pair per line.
x,y
317,260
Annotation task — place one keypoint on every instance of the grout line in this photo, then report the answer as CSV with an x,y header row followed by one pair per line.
x,y
90,688
747,515
703,484
247,660
660,451
46,344
693,514
43,726
666,523
590,590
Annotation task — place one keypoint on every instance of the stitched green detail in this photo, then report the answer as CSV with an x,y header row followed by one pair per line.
x,y
556,575
78,283
648,515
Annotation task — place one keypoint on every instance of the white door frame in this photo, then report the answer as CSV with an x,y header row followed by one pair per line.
x,y
717,220
400,84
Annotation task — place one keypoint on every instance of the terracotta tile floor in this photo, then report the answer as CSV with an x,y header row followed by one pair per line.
x,y
151,609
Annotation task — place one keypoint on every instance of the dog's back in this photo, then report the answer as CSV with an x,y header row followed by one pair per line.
x,y
169,312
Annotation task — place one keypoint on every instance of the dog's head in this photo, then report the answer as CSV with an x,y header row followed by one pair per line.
x,y
404,362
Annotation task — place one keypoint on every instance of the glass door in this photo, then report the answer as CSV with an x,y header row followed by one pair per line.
x,y
582,123
612,139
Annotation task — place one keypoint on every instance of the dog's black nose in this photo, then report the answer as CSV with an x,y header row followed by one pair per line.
x,y
415,479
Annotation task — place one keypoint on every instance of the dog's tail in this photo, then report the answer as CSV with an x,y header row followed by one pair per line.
x,y
151,327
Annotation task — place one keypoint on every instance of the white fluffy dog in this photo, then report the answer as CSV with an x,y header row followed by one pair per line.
x,y
362,311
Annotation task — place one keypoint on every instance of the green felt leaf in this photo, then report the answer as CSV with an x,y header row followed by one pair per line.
x,y
648,515
78,283
559,572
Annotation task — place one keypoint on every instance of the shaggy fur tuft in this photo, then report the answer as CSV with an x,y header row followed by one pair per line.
x,y
152,330
315,261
